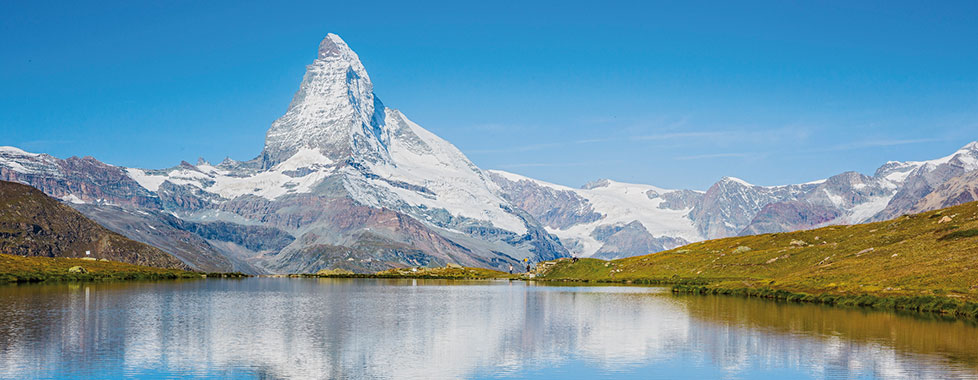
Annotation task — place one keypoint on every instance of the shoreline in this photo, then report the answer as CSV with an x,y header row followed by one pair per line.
x,y
916,304
920,304
33,269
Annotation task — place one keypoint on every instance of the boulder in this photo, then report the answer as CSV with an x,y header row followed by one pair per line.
x,y
77,270
741,249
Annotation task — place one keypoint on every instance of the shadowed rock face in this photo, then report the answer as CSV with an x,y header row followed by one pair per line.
x,y
33,224
789,216
955,191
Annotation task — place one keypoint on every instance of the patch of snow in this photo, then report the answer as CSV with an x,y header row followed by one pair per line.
x,y
73,199
17,151
834,198
862,212
147,181
304,158
738,180
269,184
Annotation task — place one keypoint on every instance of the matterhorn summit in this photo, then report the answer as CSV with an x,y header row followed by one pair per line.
x,y
335,111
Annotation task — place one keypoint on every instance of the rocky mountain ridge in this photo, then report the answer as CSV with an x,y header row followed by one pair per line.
x,y
733,207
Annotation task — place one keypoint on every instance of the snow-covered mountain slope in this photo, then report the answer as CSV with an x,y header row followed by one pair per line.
x,y
597,217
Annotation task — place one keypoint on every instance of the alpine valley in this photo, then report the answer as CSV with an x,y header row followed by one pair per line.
x,y
346,182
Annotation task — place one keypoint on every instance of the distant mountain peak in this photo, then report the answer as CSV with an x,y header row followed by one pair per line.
x,y
736,180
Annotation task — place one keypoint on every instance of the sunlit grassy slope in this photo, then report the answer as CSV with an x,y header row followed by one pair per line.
x,y
932,253
37,269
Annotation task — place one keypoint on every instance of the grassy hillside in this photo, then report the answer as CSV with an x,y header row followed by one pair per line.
x,y
929,254
34,224
38,269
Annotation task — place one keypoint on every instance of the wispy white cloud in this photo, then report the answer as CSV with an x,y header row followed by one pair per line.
x,y
541,146
873,143
716,155
884,143
557,164
673,134
681,135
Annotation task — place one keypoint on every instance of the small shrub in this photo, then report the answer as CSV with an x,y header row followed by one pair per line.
x,y
960,234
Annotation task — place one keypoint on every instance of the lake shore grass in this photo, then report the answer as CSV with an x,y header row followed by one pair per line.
x,y
21,269
921,304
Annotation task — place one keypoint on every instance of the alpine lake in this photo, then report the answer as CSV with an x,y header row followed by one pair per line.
x,y
443,329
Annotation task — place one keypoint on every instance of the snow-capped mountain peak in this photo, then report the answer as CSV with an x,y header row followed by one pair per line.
x,y
736,181
334,111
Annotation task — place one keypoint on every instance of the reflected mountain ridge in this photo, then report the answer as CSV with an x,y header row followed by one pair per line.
x,y
337,328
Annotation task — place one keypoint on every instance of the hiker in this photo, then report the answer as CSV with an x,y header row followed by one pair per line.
x,y
510,268
527,267
575,258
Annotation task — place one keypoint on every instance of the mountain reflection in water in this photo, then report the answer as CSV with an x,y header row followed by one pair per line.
x,y
340,328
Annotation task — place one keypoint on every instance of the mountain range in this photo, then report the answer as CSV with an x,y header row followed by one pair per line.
x,y
346,182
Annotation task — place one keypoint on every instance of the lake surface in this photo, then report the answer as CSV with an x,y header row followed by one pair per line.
x,y
343,328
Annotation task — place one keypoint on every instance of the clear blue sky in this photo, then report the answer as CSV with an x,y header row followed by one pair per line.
x,y
675,94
